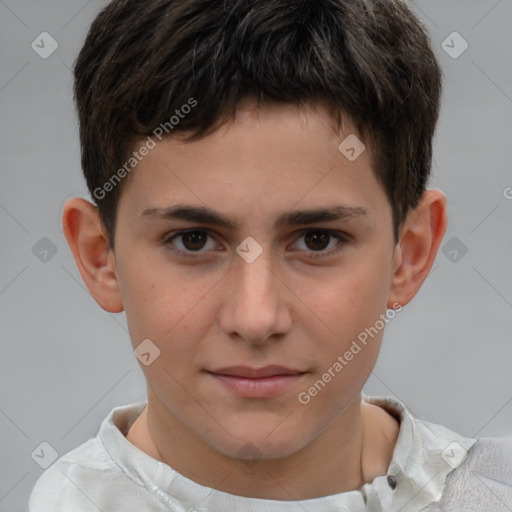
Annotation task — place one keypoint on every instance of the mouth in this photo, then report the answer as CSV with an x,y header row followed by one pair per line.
x,y
265,382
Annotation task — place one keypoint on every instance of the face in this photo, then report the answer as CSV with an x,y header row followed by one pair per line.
x,y
260,286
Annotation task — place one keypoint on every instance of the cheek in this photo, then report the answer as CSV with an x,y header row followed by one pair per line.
x,y
351,307
175,314
350,300
163,304
350,304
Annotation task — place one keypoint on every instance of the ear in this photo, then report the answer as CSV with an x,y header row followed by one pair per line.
x,y
420,238
87,239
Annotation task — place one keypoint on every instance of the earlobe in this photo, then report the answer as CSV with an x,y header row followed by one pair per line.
x,y
421,236
88,242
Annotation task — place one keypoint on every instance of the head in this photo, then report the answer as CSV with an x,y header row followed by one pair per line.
x,y
238,113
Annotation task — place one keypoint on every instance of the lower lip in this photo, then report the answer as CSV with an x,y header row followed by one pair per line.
x,y
264,387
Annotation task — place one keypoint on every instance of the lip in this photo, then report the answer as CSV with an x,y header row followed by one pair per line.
x,y
263,382
256,373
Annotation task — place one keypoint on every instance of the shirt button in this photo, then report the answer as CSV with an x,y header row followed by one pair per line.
x,y
392,482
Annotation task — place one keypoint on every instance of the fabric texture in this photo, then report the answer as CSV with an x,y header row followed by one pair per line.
x,y
432,469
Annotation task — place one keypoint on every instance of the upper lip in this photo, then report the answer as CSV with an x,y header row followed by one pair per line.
x,y
256,373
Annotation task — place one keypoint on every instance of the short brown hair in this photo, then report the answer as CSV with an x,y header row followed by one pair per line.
x,y
370,60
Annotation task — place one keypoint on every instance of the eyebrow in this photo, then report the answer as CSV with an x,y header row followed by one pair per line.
x,y
203,215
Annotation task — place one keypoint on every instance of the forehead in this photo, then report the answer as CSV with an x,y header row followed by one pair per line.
x,y
263,161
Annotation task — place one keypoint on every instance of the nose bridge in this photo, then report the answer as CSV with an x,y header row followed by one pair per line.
x,y
253,309
254,278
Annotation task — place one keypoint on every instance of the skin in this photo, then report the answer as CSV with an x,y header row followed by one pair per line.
x,y
217,310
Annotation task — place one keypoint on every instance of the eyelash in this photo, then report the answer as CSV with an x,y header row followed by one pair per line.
x,y
314,255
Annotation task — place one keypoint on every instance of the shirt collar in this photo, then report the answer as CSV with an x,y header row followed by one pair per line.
x,y
424,455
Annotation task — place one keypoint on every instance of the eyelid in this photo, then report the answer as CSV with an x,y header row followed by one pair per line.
x,y
341,236
167,239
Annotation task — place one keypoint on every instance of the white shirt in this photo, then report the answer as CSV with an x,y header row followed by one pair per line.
x,y
109,474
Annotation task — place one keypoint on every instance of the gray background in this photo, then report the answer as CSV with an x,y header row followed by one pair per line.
x,y
66,363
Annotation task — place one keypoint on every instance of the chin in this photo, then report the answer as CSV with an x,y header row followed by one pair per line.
x,y
259,441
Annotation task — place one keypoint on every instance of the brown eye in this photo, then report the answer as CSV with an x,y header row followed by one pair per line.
x,y
190,243
194,240
322,243
317,240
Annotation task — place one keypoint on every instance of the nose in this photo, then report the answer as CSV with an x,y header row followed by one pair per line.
x,y
256,302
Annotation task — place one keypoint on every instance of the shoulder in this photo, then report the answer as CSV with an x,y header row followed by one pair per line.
x,y
64,485
484,481
489,451
491,457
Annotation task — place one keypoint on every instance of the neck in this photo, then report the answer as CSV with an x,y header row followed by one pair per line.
x,y
352,450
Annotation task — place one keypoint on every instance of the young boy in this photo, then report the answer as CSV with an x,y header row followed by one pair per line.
x,y
259,174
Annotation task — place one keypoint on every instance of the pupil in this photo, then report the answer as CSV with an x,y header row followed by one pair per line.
x,y
315,236
197,238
